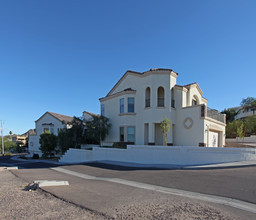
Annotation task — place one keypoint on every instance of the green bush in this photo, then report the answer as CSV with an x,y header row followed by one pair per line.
x,y
48,143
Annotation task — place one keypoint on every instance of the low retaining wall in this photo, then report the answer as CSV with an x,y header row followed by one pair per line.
x,y
251,139
175,155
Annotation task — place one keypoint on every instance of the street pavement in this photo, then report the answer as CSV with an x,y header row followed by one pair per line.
x,y
232,182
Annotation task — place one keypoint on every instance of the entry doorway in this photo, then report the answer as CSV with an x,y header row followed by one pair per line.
x,y
214,138
158,134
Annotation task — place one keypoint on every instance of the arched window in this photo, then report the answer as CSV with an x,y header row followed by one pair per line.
x,y
160,97
147,97
195,100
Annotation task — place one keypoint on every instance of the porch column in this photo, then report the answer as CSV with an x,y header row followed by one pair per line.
x,y
151,134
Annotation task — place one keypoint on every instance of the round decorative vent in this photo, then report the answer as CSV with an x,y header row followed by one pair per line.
x,y
188,123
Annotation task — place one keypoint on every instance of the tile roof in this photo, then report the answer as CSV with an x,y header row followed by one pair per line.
x,y
90,113
63,118
60,117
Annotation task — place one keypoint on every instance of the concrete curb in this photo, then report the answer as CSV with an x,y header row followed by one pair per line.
x,y
42,183
36,160
8,168
246,206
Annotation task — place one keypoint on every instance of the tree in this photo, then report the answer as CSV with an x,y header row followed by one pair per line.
x,y
230,114
165,127
8,145
250,124
247,101
73,136
240,130
97,129
48,143
233,128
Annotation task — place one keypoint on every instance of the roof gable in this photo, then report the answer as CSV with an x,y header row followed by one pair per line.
x,y
62,118
130,72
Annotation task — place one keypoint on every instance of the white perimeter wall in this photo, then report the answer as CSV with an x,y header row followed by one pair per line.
x,y
175,155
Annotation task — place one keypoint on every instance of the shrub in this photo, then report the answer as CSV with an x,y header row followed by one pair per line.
x,y
35,156
48,143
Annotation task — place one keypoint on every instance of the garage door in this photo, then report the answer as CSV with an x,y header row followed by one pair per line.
x,y
213,139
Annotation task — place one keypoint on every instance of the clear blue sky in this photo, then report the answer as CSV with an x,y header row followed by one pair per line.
x,y
62,56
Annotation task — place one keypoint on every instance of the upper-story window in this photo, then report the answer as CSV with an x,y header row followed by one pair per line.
x,y
130,104
46,130
147,97
195,100
122,105
160,97
173,99
102,109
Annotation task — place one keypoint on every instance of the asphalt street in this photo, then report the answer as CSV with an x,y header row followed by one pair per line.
x,y
237,183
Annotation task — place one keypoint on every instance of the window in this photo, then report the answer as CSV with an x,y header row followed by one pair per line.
x,y
121,134
52,130
195,100
102,110
46,130
131,134
147,98
160,97
131,104
122,105
173,100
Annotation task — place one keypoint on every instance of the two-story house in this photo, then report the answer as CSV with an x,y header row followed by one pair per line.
x,y
48,122
138,103
51,122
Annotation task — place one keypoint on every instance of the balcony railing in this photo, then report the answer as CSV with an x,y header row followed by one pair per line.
x,y
214,114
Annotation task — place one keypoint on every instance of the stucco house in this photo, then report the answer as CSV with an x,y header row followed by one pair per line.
x,y
140,101
51,122
245,111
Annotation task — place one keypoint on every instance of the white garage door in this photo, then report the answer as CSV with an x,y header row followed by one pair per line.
x,y
213,139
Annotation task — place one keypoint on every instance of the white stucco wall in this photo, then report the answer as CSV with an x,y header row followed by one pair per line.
x,y
175,155
142,115
189,136
151,116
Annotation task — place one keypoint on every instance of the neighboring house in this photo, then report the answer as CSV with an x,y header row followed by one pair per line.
x,y
19,139
244,111
138,103
88,115
48,122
